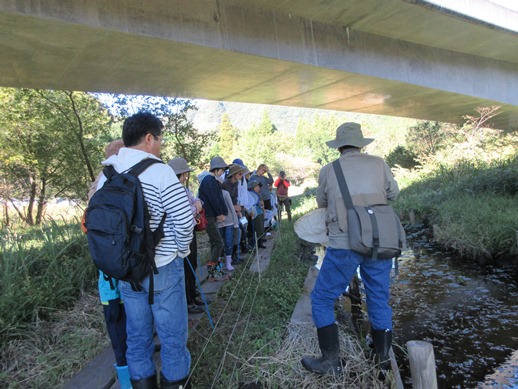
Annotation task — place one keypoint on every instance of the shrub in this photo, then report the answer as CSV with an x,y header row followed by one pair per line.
x,y
402,157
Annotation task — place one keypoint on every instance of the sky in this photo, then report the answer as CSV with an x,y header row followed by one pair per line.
x,y
511,4
488,11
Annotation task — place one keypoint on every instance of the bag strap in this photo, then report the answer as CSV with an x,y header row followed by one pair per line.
x,y
137,169
342,184
158,234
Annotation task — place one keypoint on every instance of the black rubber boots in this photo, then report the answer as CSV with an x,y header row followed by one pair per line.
x,y
180,384
151,383
146,383
382,340
329,362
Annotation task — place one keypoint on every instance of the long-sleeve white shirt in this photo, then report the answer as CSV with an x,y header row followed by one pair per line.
x,y
163,193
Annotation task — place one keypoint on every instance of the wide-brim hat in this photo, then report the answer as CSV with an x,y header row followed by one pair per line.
x,y
349,134
239,161
217,163
179,165
246,171
312,227
234,169
253,184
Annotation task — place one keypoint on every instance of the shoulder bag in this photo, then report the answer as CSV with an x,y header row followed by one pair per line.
x,y
374,230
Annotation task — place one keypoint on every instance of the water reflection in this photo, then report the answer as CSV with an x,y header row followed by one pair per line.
x,y
467,312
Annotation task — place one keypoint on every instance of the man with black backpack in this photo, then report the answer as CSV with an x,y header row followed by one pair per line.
x,y
158,299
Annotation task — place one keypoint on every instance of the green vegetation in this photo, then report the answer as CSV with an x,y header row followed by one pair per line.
x,y
467,187
463,180
251,315
50,146
43,269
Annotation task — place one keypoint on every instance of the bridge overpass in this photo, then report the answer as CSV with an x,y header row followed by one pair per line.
x,y
410,58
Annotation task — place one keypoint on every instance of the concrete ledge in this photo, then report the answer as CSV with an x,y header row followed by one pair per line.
x,y
302,311
98,373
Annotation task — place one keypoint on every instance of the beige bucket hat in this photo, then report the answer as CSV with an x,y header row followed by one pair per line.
x,y
349,134
179,165
217,163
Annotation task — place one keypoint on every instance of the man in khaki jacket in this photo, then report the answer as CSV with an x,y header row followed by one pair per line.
x,y
370,181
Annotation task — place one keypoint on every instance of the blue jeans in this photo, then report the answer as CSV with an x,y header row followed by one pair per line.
x,y
168,315
337,270
227,234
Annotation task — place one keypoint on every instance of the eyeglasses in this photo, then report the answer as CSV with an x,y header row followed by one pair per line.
x,y
159,138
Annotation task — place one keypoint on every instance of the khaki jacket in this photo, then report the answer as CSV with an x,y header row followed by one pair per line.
x,y
370,182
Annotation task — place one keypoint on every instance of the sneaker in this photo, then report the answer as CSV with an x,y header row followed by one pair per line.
x,y
218,276
212,268
193,308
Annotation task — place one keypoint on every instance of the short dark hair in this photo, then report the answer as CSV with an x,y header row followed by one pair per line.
x,y
137,126
347,147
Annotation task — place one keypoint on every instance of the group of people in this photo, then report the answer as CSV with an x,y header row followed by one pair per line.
x,y
234,201
237,204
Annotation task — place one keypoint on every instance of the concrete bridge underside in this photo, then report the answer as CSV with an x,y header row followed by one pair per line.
x,y
388,57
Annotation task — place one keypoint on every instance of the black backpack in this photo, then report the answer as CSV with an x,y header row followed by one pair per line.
x,y
120,239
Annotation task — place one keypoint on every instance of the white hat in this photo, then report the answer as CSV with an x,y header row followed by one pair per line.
x,y
312,227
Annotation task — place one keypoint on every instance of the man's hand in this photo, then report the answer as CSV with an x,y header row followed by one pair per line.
x,y
220,218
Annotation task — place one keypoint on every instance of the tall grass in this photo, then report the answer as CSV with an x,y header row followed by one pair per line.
x,y
251,316
42,269
474,204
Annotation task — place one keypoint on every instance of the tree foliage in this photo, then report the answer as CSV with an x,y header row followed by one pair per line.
x,y
228,136
311,138
50,145
402,157
182,138
258,144
425,139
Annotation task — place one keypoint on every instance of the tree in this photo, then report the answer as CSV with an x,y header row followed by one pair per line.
x,y
50,143
311,138
258,144
403,157
182,139
425,139
227,138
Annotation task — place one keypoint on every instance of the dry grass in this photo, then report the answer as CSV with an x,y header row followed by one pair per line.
x,y
50,352
284,370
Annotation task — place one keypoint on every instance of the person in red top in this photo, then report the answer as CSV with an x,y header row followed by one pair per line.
x,y
282,184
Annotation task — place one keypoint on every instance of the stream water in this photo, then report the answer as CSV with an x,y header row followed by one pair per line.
x,y
469,313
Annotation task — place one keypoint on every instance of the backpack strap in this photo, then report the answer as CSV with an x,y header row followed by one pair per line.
x,y
137,169
109,171
158,234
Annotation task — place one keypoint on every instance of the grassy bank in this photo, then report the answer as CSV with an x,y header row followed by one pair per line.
x,y
250,316
52,323
50,319
474,206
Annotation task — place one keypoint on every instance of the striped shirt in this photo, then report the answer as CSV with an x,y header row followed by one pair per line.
x,y
164,194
